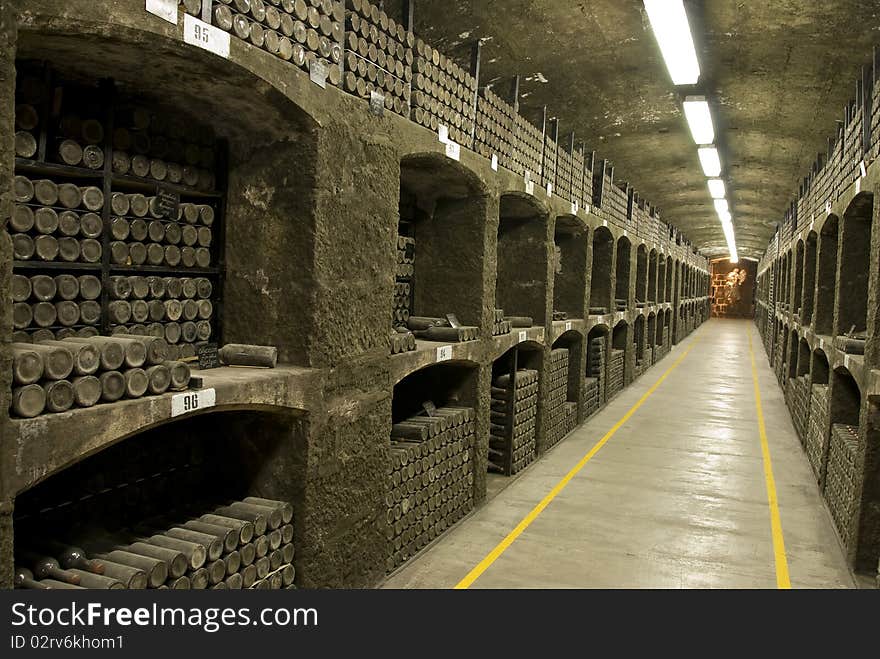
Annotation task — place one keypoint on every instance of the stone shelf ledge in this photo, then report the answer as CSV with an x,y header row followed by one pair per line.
x,y
40,447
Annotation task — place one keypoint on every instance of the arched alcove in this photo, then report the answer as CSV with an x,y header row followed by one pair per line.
x,y
855,265
598,347
514,420
564,375
622,274
809,290
797,298
167,477
522,280
826,277
641,293
571,238
601,298
652,277
443,208
618,373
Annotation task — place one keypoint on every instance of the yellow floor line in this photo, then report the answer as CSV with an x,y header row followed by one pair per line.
x,y
502,546
782,577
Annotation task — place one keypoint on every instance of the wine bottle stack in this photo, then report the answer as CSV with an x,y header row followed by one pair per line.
x,y
620,304
500,326
495,128
245,544
177,310
582,178
548,163
49,308
152,146
293,30
430,479
440,329
564,185
559,412
798,399
514,411
30,94
875,122
142,234
591,397
54,376
444,93
596,364
560,316
406,254
615,372
56,220
378,57
529,149
843,480
817,434
667,343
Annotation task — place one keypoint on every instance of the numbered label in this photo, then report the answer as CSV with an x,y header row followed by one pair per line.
x,y
530,187
191,401
858,185
443,133
863,169
453,150
567,327
828,207
494,162
200,34
444,354
604,223
523,336
549,189
574,208
318,73
164,9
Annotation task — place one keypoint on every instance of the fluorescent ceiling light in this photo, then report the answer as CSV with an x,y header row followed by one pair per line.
x,y
717,188
699,118
710,161
673,33
731,241
721,206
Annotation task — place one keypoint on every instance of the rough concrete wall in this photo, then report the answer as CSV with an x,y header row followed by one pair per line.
x,y
571,275
270,282
450,260
343,525
523,268
357,200
7,160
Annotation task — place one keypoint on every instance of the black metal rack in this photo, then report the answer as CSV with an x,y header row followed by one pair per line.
x,y
104,95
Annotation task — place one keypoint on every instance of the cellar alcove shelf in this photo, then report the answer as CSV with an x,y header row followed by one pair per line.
x,y
315,191
813,305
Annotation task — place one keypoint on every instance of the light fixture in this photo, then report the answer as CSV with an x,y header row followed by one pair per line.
x,y
699,118
673,33
727,227
710,161
717,188
721,206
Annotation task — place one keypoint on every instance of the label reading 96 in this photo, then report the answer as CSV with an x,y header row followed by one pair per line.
x,y
190,401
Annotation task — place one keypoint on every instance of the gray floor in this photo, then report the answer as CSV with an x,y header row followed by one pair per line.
x,y
676,498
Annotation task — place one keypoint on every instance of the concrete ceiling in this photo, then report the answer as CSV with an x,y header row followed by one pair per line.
x,y
779,72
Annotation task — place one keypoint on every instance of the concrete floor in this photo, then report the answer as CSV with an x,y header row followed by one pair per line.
x,y
675,499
